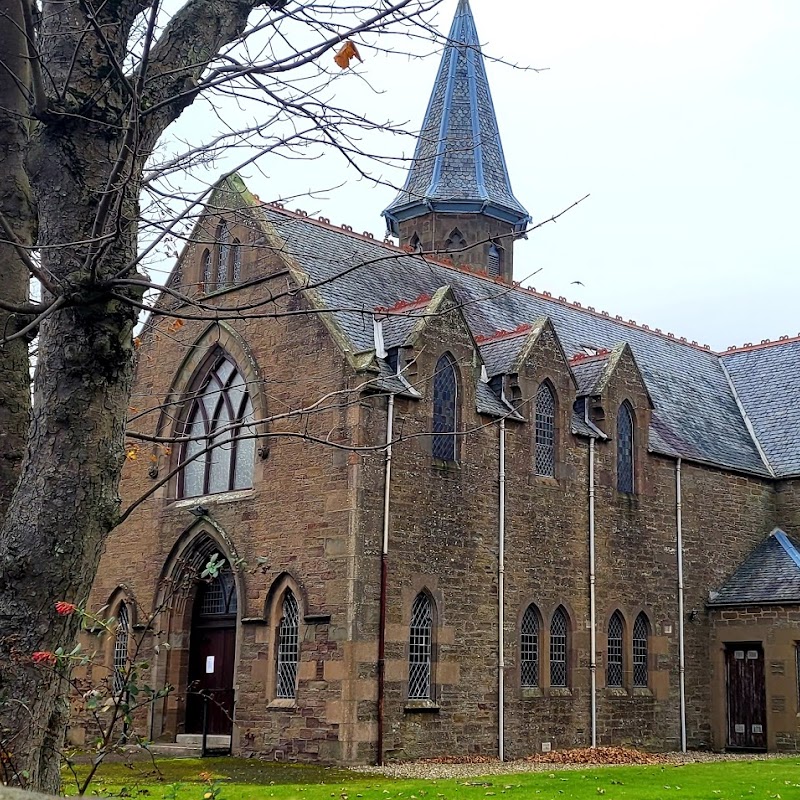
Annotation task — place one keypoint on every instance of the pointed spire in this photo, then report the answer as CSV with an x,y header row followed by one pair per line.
x,y
458,165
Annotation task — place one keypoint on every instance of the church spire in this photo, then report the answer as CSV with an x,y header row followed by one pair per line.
x,y
459,168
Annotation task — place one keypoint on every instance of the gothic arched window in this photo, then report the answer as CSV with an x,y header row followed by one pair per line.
x,y
208,276
445,409
625,476
529,648
219,431
559,643
614,660
121,645
223,254
546,431
288,648
455,240
236,258
641,631
218,596
420,649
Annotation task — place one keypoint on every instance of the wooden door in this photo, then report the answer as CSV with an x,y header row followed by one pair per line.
x,y
747,717
211,661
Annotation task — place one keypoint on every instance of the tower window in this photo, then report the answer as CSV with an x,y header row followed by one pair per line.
x,y
415,244
614,671
445,409
455,240
420,648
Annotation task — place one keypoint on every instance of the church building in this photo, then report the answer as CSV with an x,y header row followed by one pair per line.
x,y
455,516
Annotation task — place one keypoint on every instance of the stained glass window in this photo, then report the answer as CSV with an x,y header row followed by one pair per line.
x,y
121,640
559,632
419,648
445,409
220,417
288,647
529,648
614,653
545,431
223,254
641,629
625,449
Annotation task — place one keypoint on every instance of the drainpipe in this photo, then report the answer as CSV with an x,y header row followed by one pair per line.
x,y
501,586
598,434
592,603
681,643
387,483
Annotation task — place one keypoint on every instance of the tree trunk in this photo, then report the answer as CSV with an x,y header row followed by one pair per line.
x,y
67,499
16,205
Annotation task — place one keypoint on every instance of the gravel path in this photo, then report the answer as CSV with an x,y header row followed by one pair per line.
x,y
434,771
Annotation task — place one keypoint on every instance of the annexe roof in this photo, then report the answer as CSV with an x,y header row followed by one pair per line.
x,y
770,575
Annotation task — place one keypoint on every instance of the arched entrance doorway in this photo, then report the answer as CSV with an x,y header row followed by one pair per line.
x,y
212,655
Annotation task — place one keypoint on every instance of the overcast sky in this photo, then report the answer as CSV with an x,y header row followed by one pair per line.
x,y
680,119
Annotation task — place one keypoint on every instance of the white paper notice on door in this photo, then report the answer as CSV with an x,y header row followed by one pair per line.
x,y
209,665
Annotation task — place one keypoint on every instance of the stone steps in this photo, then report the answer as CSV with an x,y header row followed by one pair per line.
x,y
189,745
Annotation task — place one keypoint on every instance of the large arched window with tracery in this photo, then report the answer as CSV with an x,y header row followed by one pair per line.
x,y
445,409
220,438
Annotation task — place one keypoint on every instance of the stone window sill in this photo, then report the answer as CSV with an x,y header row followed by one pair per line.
x,y
438,465
421,707
559,691
616,691
531,692
206,499
642,691
283,704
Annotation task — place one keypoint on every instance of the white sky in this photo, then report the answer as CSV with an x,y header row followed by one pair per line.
x,y
681,119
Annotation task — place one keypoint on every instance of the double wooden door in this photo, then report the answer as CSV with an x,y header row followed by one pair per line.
x,y
747,712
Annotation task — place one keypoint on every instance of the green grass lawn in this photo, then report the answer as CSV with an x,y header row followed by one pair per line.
x,y
240,779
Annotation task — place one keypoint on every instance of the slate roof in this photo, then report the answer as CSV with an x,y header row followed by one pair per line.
x,y
458,163
499,356
588,372
769,575
696,415
767,380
